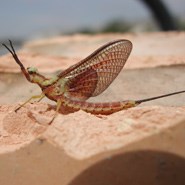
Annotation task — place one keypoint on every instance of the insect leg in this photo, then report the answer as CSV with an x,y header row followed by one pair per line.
x,y
59,103
41,96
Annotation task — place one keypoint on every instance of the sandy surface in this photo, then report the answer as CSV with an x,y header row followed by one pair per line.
x,y
82,134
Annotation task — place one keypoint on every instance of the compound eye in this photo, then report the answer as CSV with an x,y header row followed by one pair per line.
x,y
32,70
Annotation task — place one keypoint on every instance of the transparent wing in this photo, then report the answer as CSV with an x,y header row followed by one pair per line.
x,y
83,85
91,76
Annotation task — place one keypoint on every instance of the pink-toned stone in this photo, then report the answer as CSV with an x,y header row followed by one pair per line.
x,y
58,53
142,145
79,144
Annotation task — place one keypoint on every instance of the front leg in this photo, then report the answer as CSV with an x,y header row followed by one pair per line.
x,y
41,96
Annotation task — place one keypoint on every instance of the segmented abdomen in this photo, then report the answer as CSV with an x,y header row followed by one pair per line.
x,y
99,108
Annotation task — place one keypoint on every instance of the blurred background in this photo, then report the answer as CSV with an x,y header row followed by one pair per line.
x,y
23,20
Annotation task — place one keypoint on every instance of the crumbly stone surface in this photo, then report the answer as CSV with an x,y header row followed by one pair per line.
x,y
141,145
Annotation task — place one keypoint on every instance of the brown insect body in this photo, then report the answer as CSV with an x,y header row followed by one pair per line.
x,y
72,90
88,78
105,108
60,88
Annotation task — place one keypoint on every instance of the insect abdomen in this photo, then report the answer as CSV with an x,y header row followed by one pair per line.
x,y
100,108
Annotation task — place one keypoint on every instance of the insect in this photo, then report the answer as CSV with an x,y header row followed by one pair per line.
x,y
88,78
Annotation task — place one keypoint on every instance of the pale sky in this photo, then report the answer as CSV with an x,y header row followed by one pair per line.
x,y
31,18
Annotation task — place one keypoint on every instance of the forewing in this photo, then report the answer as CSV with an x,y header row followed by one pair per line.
x,y
96,72
82,86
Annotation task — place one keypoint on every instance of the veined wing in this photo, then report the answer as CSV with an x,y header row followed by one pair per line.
x,y
92,75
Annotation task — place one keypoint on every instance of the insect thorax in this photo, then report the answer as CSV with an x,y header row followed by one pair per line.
x,y
62,85
55,88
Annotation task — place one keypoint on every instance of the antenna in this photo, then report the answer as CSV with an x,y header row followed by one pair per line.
x,y
12,51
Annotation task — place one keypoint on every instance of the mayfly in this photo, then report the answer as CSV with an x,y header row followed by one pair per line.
x,y
88,78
